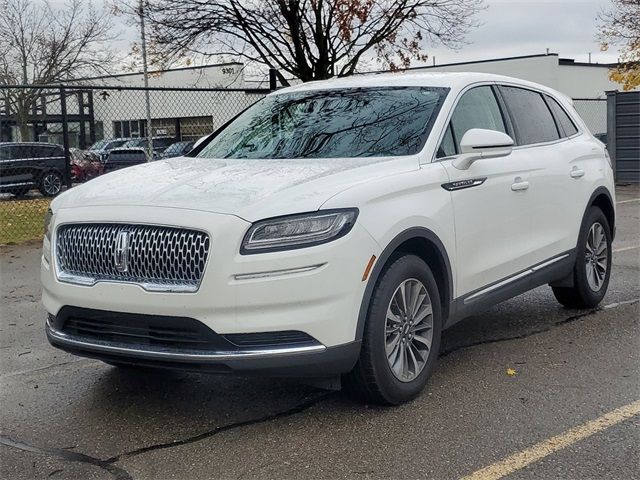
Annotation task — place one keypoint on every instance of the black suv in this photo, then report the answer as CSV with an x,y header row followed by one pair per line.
x,y
24,166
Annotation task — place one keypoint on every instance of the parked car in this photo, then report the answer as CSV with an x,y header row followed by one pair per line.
x,y
24,166
103,147
85,165
333,230
124,157
177,149
135,152
160,144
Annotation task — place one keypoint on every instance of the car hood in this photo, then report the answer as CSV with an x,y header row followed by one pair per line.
x,y
250,189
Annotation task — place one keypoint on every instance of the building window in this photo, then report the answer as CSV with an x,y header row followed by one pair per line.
x,y
130,128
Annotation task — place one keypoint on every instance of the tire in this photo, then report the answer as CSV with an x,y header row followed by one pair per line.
x,y
590,274
377,378
50,184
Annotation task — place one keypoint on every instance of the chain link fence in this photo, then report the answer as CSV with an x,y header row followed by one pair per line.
x,y
594,113
52,138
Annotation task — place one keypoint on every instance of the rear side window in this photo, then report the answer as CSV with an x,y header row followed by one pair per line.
x,y
45,151
532,119
564,121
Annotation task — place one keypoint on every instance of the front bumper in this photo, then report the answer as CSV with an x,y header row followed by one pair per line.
x,y
316,290
291,361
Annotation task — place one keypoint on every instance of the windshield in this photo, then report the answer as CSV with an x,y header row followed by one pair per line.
x,y
371,122
99,145
176,147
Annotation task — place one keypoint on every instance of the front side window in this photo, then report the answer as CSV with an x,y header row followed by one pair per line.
x,y
346,123
478,108
21,151
532,120
447,146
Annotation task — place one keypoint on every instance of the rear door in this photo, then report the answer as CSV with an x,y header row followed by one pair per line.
x,y
492,206
18,167
579,167
47,158
540,139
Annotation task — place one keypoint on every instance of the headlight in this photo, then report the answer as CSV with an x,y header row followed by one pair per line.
x,y
298,231
47,224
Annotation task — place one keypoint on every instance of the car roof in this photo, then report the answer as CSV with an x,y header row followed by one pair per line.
x,y
453,80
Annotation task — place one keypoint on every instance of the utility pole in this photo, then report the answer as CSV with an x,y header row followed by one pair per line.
x,y
145,70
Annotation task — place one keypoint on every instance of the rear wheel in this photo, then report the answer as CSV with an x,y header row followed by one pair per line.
x,y
593,264
401,338
50,184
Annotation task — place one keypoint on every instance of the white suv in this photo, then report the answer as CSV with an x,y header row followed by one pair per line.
x,y
335,228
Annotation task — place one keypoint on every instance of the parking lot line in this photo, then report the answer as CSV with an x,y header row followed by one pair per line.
x,y
628,201
526,457
624,249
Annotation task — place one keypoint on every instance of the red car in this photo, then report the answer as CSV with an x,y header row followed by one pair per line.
x,y
85,165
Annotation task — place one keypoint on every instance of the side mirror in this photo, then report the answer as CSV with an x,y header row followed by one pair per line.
x,y
479,144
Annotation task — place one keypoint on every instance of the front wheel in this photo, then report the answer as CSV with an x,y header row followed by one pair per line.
x,y
401,338
593,264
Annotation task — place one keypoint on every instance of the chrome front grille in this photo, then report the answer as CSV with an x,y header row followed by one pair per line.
x,y
157,258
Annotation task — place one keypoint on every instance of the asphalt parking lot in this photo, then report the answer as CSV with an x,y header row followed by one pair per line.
x,y
527,389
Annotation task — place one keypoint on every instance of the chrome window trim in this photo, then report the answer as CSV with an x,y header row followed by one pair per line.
x,y
17,184
30,159
578,125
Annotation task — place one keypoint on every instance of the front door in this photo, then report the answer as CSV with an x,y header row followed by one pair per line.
x,y
491,200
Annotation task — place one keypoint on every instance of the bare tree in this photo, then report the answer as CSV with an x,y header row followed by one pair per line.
x,y
40,45
310,39
621,26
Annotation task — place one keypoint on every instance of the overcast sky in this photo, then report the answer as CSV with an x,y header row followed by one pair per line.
x,y
509,28
524,27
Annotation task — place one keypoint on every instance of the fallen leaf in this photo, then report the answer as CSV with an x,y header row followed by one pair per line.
x,y
511,372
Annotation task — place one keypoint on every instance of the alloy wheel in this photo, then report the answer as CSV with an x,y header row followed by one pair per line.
x,y
409,330
52,184
596,257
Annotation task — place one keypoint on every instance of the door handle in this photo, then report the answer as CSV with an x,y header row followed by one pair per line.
x,y
576,172
519,185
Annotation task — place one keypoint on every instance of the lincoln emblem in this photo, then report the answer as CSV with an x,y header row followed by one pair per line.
x,y
121,254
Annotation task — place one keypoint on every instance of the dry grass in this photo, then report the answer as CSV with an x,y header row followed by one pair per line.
x,y
22,220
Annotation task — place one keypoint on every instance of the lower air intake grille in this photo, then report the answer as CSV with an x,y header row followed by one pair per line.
x,y
180,335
